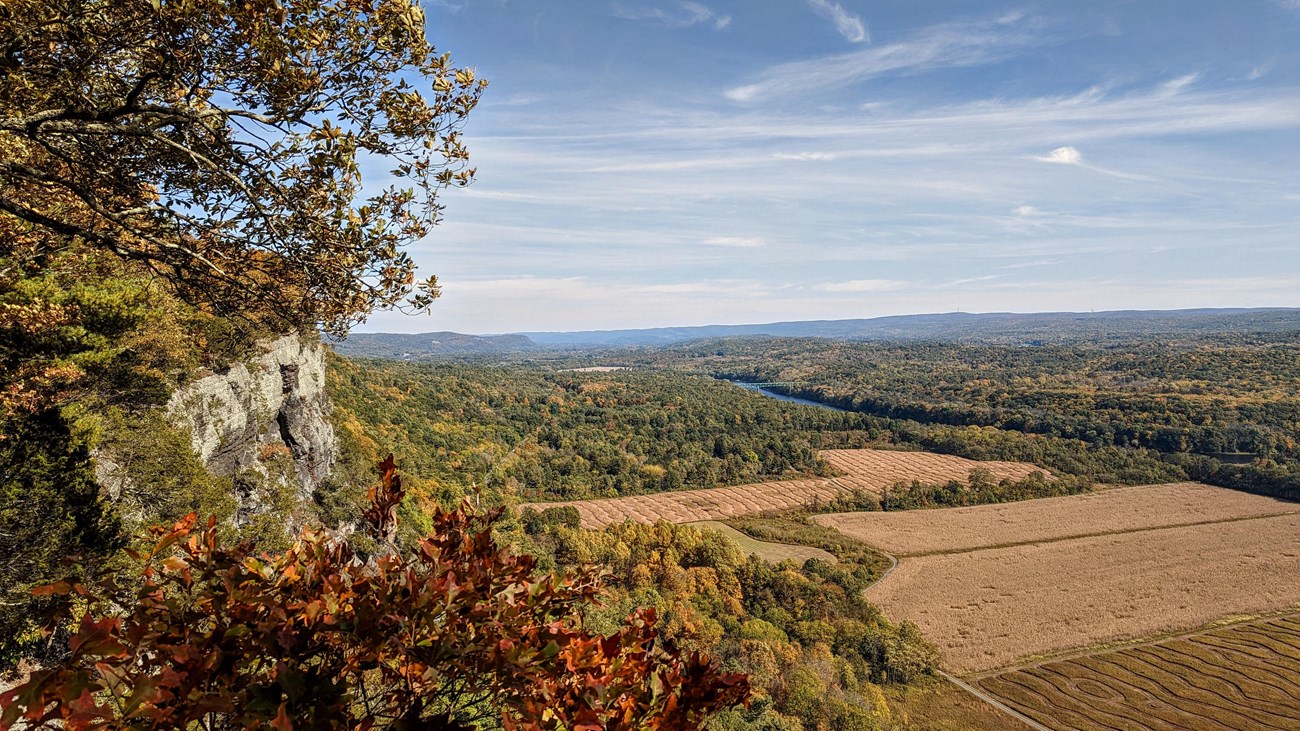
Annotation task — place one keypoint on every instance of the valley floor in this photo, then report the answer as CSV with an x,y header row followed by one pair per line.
x,y
1002,589
868,470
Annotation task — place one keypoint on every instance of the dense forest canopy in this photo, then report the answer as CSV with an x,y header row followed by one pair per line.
x,y
1221,407
536,433
541,432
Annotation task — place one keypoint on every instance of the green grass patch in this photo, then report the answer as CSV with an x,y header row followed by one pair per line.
x,y
770,552
858,565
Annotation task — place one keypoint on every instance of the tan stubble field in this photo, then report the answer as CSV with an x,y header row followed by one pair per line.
x,y
992,607
871,470
916,532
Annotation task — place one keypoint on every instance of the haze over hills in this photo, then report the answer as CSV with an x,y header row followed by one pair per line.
x,y
399,346
999,327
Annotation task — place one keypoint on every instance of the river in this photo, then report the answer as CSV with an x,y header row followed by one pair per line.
x,y
783,397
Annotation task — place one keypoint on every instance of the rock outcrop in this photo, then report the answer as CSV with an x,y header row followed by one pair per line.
x,y
273,404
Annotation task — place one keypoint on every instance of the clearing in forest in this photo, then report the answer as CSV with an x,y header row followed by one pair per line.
x,y
1117,510
989,608
770,552
1245,676
871,470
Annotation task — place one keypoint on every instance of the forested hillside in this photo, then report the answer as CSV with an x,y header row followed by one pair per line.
x,y
1224,408
536,434
532,432
815,651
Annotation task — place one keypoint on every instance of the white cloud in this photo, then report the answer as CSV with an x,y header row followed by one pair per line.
x,y
454,7
737,242
862,285
849,25
969,280
804,156
741,288
515,286
1031,264
1070,156
1063,155
698,13
683,15
916,193
1174,86
473,192
1024,211
946,45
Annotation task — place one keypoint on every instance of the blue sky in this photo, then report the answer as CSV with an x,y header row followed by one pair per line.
x,y
656,162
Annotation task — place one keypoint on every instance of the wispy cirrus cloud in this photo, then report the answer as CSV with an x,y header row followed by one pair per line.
x,y
804,156
944,45
849,25
969,280
971,162
1174,86
862,285
679,15
735,242
1071,156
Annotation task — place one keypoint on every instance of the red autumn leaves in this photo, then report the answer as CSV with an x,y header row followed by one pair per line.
x,y
459,635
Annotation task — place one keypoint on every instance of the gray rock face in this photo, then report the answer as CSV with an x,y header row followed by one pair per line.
x,y
276,401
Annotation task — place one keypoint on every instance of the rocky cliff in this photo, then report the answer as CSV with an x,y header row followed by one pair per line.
x,y
272,406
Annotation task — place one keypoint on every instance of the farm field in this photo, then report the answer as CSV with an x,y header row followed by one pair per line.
x,y
865,469
1245,676
1117,510
990,608
770,552
873,470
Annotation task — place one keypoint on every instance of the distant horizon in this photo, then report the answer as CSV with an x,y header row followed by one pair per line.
x,y
759,323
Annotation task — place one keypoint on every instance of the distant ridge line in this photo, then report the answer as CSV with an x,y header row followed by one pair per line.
x,y
1030,329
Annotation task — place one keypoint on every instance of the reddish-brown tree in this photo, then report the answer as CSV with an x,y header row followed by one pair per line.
x,y
462,634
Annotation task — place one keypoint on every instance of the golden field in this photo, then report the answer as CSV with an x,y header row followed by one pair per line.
x,y
871,470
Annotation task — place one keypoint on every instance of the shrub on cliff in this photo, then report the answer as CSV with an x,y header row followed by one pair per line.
x,y
461,635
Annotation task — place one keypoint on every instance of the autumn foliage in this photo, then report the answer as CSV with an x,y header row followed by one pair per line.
x,y
227,148
461,634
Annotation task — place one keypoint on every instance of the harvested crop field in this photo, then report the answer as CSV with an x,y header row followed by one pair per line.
x,y
770,552
865,469
1241,677
919,532
990,608
875,469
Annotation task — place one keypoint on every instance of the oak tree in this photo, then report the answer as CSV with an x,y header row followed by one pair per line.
x,y
266,156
